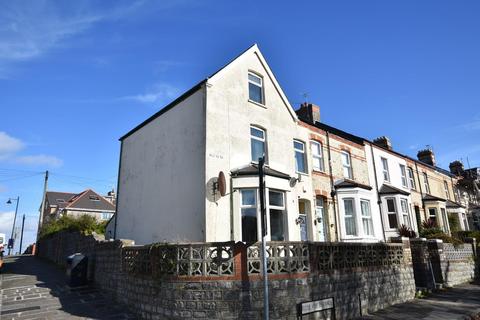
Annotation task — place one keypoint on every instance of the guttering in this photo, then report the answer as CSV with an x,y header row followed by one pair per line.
x,y
333,193
379,202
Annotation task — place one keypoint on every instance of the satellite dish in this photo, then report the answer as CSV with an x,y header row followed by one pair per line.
x,y
222,185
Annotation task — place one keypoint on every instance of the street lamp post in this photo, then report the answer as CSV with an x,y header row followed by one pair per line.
x,y
14,220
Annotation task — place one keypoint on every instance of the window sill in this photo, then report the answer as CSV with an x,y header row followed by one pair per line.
x,y
257,104
302,173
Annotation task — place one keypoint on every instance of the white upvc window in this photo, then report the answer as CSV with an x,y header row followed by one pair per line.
x,y
300,159
411,178
317,156
392,213
386,172
405,213
432,215
255,88
258,143
347,165
446,225
276,206
366,217
248,211
350,217
425,182
445,186
403,173
106,215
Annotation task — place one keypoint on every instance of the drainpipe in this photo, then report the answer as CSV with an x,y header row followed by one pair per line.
x,y
333,193
421,192
379,202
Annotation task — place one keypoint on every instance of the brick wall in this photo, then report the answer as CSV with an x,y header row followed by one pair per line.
x,y
223,280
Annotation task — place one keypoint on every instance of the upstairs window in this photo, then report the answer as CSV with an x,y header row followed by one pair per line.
x,y
425,182
347,165
255,88
106,215
257,143
447,192
403,173
411,179
386,173
317,156
300,163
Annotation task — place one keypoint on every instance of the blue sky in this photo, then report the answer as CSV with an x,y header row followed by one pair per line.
x,y
76,75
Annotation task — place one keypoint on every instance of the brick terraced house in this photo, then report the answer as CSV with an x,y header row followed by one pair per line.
x,y
322,183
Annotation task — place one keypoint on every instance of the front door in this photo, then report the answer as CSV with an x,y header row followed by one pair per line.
x,y
319,216
302,220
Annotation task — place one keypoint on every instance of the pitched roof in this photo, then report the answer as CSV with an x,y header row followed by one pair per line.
x,y
253,48
346,183
252,170
451,204
59,199
90,200
388,189
429,197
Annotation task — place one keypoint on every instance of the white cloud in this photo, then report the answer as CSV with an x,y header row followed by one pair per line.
x,y
39,160
28,30
9,145
159,93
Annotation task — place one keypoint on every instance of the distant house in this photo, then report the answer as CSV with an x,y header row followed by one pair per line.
x,y
89,202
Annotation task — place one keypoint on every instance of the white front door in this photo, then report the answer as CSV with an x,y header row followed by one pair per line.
x,y
319,215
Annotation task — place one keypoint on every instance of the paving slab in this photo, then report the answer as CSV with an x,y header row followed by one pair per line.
x,y
461,302
35,289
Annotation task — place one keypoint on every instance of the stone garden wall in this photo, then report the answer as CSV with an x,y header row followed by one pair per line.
x,y
438,264
223,280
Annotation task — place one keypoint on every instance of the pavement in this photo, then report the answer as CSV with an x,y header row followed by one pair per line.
x,y
34,289
460,302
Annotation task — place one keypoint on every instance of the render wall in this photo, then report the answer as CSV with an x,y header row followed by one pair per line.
x,y
229,117
162,180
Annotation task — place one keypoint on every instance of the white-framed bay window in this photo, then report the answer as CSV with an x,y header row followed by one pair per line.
x,y
367,222
317,156
250,221
276,210
249,213
405,212
391,205
350,217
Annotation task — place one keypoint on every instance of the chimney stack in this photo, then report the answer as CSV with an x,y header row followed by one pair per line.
x,y
456,167
309,112
426,156
383,142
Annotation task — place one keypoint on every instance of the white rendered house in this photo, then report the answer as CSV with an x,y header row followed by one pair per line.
x,y
169,164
